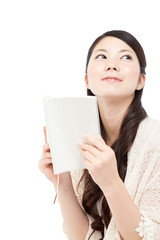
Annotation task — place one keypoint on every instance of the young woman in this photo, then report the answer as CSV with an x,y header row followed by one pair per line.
x,y
117,196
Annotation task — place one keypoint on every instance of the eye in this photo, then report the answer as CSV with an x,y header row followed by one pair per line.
x,y
101,56
126,57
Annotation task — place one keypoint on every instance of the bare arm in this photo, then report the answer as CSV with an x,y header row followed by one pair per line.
x,y
101,163
75,219
125,212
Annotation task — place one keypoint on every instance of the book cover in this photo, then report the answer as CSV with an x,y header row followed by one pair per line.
x,y
68,119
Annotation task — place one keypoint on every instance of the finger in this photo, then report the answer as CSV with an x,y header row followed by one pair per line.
x,y
90,148
45,160
45,134
98,142
46,148
46,155
88,165
88,156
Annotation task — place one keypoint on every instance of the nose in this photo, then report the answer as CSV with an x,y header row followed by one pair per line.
x,y
112,66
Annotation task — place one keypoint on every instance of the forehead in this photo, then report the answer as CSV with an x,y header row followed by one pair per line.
x,y
112,44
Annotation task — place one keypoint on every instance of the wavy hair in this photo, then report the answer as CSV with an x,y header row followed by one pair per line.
x,y
135,114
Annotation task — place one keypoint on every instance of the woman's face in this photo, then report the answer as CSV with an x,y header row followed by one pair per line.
x,y
114,70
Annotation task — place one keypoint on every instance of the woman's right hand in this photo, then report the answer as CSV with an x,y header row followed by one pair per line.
x,y
46,167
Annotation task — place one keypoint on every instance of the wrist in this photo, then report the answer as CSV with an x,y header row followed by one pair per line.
x,y
63,181
65,188
113,188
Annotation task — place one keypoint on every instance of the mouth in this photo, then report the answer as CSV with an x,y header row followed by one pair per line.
x,y
111,79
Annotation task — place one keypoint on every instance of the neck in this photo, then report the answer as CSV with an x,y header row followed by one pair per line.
x,y
112,114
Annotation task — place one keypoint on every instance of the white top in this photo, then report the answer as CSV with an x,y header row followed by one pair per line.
x,y
142,182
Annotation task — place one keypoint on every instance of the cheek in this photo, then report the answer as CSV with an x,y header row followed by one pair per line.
x,y
132,72
94,71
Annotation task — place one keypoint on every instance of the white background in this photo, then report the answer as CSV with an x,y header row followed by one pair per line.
x,y
43,48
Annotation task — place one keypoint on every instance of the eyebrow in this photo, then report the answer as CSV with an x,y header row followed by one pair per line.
x,y
122,50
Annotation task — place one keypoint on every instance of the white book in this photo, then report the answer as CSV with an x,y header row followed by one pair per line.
x,y
68,119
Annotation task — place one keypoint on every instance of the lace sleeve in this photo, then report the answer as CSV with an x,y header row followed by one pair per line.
x,y
149,203
149,206
147,229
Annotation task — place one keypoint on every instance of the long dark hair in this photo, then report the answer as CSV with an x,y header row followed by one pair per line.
x,y
135,114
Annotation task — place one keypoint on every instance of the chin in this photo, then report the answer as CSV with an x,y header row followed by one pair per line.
x,y
108,95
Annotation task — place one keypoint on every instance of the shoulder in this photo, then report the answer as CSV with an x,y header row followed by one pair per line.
x,y
144,155
149,124
147,141
149,131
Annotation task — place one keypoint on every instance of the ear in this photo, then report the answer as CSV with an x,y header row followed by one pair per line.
x,y
86,81
141,82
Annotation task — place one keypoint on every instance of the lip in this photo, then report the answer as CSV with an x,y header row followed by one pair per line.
x,y
111,79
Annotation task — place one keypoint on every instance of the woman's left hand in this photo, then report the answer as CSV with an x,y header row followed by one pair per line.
x,y
100,160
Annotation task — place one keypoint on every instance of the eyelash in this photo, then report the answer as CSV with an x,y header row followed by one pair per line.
x,y
129,57
100,55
